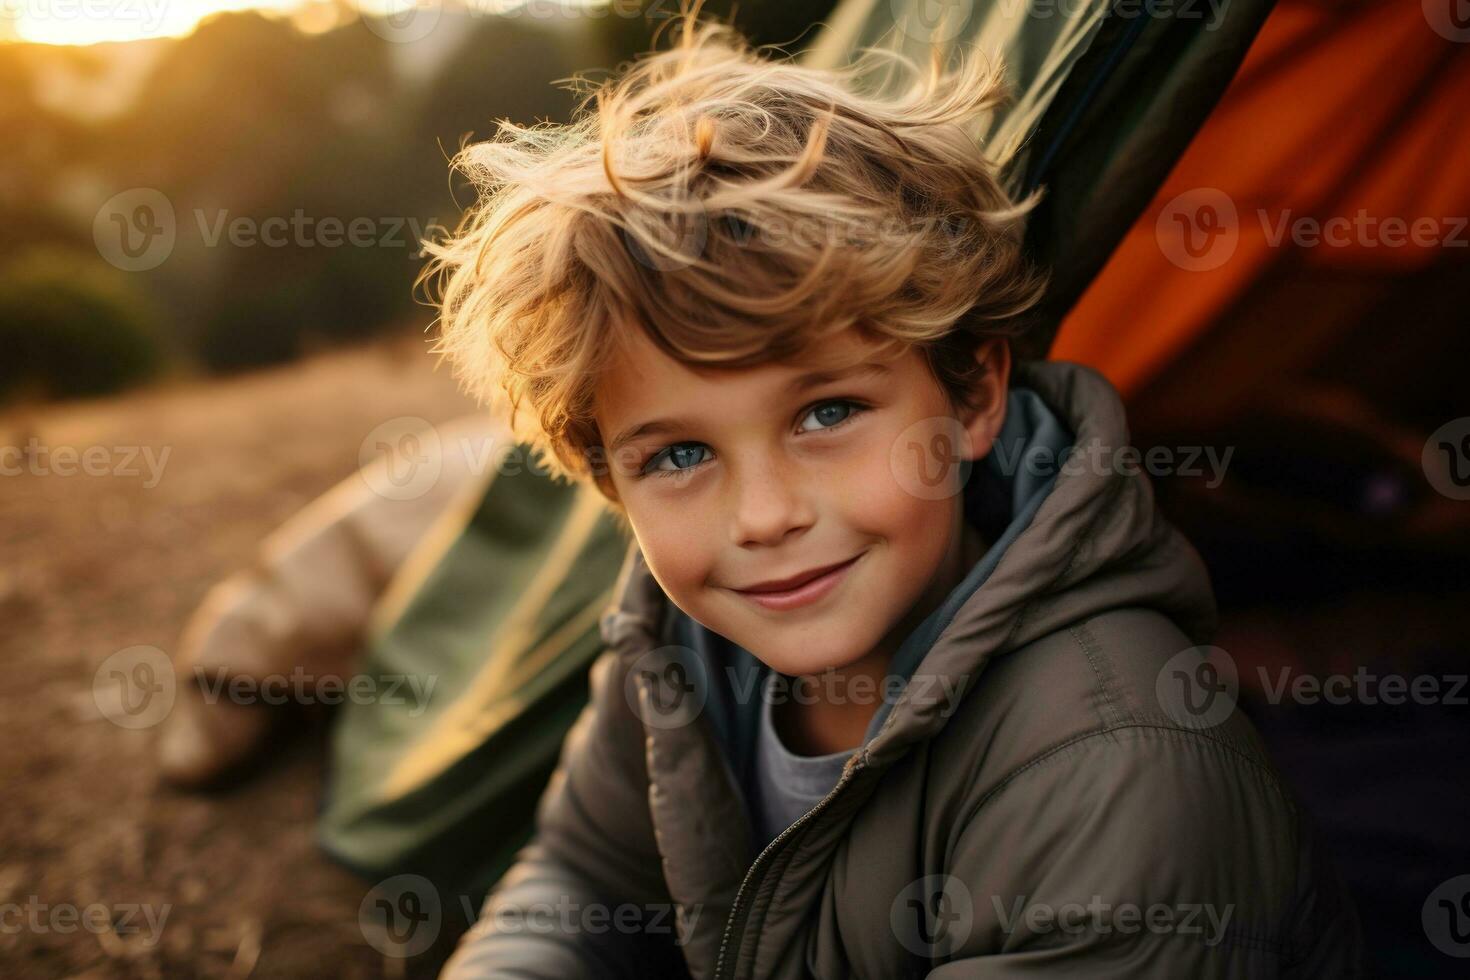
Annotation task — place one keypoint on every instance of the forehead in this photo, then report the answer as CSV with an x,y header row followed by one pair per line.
x,y
639,372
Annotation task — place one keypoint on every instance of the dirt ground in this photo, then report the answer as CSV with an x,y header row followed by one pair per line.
x,y
93,564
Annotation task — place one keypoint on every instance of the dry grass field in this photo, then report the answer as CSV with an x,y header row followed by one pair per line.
x,y
190,477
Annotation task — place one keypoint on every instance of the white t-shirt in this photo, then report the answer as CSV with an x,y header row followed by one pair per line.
x,y
787,785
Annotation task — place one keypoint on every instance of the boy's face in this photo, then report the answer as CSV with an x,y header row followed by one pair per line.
x,y
761,474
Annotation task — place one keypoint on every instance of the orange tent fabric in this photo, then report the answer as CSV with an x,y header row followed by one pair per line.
x,y
1237,274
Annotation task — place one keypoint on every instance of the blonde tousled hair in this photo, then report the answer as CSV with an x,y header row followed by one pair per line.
x,y
738,209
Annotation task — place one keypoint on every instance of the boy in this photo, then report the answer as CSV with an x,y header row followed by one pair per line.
x,y
890,680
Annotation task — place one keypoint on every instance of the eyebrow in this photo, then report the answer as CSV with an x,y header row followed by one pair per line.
x,y
810,379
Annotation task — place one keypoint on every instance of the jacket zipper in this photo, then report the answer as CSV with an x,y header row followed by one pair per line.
x,y
737,909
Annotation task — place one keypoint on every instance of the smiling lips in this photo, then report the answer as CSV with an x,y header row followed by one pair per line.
x,y
800,590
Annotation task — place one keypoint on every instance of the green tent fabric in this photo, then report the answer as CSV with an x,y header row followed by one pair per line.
x,y
1106,96
502,605
499,609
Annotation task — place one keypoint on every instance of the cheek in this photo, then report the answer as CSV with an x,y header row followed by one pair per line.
x,y
680,554
879,495
914,528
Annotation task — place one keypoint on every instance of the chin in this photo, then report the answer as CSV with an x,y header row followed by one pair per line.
x,y
799,657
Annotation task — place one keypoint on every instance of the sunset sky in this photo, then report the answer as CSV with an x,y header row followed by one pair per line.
x,y
92,21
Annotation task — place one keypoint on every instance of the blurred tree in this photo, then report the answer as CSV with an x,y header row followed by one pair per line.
x,y
250,122
38,143
72,325
261,326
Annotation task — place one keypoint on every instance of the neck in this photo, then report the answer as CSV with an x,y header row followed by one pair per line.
x,y
840,704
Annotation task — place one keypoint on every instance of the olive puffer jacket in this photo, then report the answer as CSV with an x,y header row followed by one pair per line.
x,y
1084,801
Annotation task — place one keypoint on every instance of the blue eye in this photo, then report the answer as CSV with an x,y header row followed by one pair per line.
x,y
681,454
833,413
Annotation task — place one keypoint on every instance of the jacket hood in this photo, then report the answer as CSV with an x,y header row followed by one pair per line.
x,y
1072,529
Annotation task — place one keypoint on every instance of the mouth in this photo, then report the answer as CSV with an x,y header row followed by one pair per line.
x,y
800,590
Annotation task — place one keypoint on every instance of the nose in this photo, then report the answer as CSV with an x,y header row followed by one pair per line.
x,y
771,503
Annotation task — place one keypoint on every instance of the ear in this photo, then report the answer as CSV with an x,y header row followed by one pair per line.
x,y
988,396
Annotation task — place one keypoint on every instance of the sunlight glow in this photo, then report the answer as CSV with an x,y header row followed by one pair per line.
x,y
94,21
